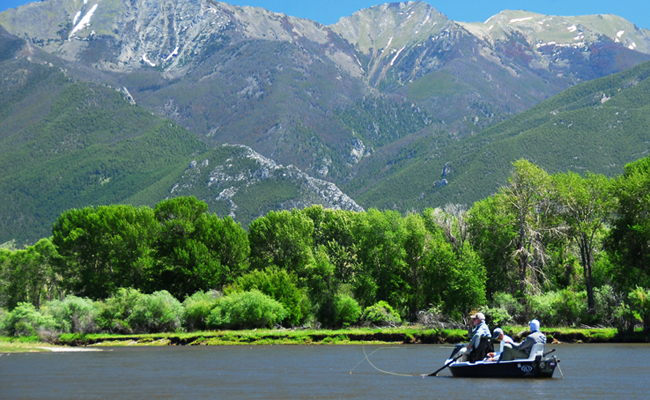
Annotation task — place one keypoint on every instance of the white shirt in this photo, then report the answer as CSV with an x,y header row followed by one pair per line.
x,y
506,339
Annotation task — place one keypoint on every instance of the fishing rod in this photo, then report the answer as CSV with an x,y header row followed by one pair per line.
x,y
446,365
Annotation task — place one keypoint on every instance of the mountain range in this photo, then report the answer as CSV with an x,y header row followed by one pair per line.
x,y
389,94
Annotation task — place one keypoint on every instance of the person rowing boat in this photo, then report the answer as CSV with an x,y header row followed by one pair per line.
x,y
476,345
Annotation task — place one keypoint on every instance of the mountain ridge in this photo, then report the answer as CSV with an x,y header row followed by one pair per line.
x,y
356,104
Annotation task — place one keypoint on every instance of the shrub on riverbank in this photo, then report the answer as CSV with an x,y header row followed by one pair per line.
x,y
116,310
346,310
380,314
280,286
246,310
73,314
197,309
156,312
25,320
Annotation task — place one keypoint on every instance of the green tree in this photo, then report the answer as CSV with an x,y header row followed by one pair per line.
x,y
323,286
284,239
640,302
526,197
628,241
585,204
380,252
334,229
464,284
105,248
196,250
28,275
492,232
419,251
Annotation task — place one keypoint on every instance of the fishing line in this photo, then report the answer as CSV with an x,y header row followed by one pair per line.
x,y
373,365
364,359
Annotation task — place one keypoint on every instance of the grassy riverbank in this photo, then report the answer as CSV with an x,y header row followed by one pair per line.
x,y
22,345
308,337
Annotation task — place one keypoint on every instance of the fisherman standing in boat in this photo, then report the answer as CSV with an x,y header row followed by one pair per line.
x,y
514,351
480,330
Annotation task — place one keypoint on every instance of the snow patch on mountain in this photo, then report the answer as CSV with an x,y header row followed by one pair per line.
x,y
85,21
172,54
145,59
515,20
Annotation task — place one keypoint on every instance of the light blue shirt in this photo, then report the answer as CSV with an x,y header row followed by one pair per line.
x,y
479,331
531,340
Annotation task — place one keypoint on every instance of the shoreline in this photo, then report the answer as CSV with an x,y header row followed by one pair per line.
x,y
353,336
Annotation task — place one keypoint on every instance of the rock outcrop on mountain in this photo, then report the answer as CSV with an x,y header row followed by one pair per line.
x,y
231,177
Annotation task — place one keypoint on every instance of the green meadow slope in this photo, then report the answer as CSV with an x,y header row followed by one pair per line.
x,y
596,126
67,144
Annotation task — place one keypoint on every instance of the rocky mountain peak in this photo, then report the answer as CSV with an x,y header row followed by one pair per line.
x,y
167,35
389,26
571,31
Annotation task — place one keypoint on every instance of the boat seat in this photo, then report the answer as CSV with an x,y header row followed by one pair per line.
x,y
537,349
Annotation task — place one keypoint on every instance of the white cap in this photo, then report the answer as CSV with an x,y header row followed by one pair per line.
x,y
498,332
534,325
478,315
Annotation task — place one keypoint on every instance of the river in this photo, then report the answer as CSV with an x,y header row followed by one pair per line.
x,y
314,372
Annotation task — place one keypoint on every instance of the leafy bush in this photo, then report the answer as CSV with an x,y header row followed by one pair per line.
x,y
279,285
25,320
545,307
381,314
504,309
560,308
640,305
156,312
572,307
3,317
509,303
197,309
497,316
73,314
116,310
605,303
245,310
347,310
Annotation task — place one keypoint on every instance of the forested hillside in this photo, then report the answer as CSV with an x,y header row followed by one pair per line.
x,y
565,249
66,143
596,126
69,144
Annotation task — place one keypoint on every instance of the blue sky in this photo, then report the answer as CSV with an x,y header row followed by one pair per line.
x,y
329,11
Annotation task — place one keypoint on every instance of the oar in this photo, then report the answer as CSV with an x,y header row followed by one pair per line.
x,y
445,366
548,352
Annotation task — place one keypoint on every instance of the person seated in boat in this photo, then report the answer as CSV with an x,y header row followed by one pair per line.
x,y
522,350
498,334
476,345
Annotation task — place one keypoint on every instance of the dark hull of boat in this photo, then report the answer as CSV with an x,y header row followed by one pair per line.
x,y
543,368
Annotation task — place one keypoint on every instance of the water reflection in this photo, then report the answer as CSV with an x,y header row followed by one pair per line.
x,y
321,372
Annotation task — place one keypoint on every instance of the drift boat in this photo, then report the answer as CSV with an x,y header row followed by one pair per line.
x,y
538,365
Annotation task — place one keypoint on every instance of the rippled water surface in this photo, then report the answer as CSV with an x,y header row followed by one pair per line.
x,y
320,372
